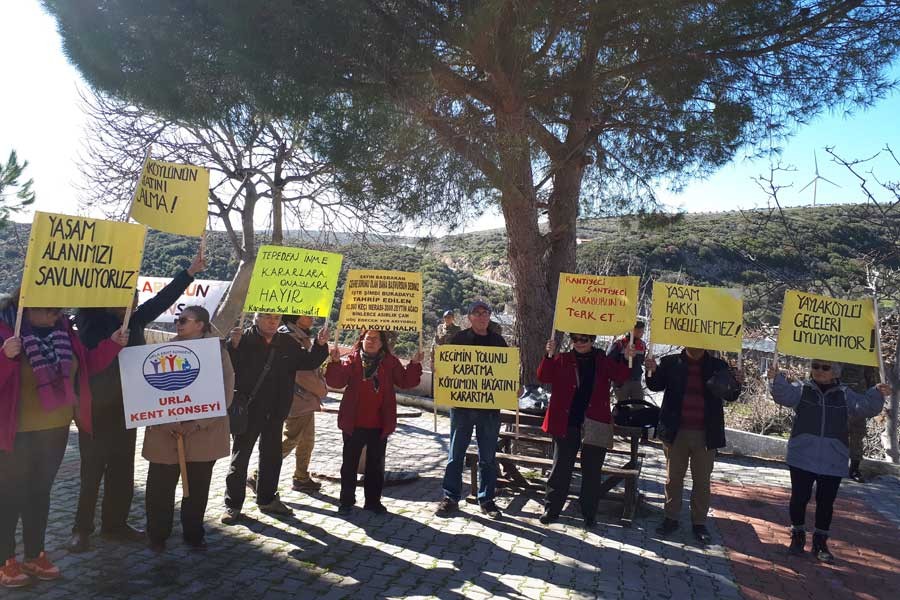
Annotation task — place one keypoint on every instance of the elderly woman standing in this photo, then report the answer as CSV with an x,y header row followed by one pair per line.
x,y
368,413
43,385
205,441
818,451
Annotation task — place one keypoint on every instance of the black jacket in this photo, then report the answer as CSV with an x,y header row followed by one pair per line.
x,y
671,377
275,395
97,324
467,337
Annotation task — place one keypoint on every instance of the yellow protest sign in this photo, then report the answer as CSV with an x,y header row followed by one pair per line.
x,y
697,317
75,262
172,197
293,281
476,376
814,326
596,304
383,300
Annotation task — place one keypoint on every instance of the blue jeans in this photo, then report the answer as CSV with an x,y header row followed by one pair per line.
x,y
486,424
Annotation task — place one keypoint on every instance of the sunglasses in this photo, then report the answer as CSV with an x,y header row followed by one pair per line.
x,y
580,338
820,367
183,320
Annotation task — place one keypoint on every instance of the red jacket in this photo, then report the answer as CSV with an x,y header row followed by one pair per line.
x,y
561,372
90,362
391,372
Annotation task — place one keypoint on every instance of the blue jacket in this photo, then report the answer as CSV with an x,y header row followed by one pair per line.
x,y
818,441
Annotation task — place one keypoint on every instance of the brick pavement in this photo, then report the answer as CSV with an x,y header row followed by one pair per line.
x,y
411,553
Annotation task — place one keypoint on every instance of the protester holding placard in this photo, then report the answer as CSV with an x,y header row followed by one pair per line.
x,y
43,385
368,413
485,422
631,389
108,454
300,425
691,427
817,451
858,378
265,361
205,441
579,401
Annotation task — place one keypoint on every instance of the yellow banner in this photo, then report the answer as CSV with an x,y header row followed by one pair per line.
x,y
814,326
383,300
697,317
293,281
75,262
172,197
596,304
476,377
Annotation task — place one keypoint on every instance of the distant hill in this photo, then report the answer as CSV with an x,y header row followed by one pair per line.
x,y
745,250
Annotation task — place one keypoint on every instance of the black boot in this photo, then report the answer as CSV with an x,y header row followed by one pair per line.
x,y
855,474
798,542
820,548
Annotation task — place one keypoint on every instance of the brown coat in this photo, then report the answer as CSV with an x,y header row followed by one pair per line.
x,y
205,439
309,386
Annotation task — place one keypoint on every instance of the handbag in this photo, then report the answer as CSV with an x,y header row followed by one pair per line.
x,y
635,413
238,412
597,433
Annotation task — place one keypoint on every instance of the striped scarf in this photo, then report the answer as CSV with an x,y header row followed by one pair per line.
x,y
50,356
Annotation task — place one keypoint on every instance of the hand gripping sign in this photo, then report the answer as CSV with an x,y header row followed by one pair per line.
x,y
814,326
171,382
476,377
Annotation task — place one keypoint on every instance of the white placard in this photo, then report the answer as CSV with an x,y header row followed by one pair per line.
x,y
176,381
204,292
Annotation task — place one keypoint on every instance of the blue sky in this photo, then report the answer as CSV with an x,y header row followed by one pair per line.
x,y
40,118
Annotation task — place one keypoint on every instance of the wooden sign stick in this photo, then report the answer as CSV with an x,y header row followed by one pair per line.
x,y
19,318
127,318
182,464
881,372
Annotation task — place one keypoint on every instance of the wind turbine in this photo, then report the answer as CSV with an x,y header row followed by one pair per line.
x,y
816,179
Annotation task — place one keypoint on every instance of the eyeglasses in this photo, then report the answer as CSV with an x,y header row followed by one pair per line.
x,y
580,338
183,320
820,367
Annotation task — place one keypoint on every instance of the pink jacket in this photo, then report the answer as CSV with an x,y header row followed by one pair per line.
x,y
90,362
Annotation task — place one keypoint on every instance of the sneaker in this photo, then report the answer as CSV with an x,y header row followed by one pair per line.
x,y
11,575
798,542
820,548
701,534
306,485
490,509
230,516
344,509
857,477
276,507
251,482
548,517
79,543
667,527
446,507
377,508
125,533
41,568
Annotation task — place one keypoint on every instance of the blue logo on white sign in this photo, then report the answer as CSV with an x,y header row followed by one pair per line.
x,y
171,368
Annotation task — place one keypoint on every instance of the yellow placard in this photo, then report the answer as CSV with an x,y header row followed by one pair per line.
x,y
75,262
697,317
476,376
172,197
293,281
814,326
383,300
596,304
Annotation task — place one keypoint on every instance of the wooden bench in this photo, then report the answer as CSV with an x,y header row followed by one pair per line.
x,y
510,464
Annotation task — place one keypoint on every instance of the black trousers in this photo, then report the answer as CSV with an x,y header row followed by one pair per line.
x,y
801,491
565,449
370,439
161,482
26,477
268,432
106,457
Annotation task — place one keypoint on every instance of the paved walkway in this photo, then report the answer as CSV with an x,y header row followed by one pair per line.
x,y
411,553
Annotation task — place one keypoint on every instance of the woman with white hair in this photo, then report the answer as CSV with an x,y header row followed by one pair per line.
x,y
818,449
